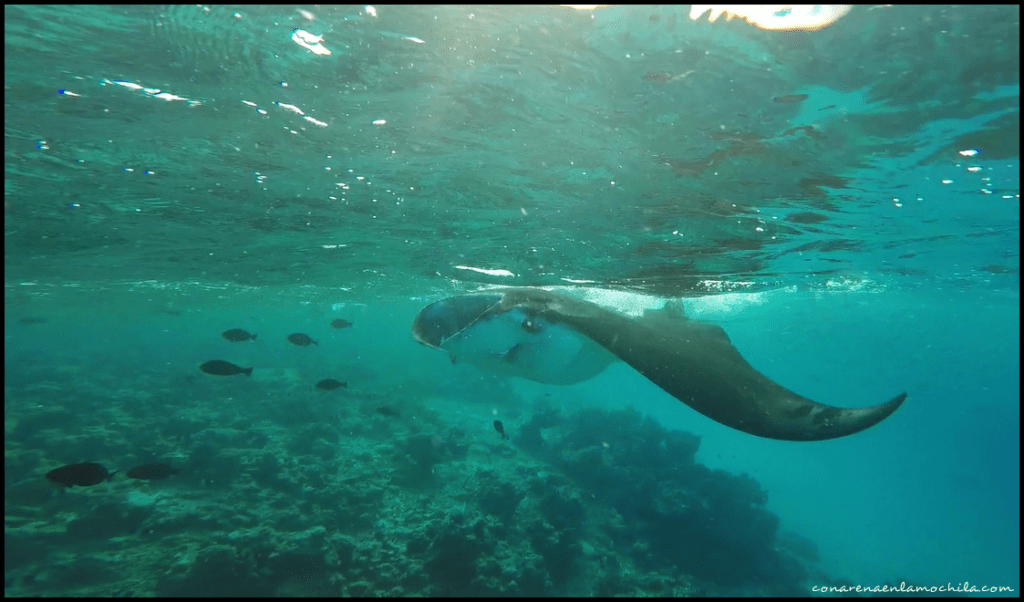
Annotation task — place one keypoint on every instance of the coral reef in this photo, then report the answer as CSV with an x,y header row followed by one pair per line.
x,y
588,503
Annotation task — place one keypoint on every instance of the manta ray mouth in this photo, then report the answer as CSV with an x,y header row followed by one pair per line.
x,y
447,318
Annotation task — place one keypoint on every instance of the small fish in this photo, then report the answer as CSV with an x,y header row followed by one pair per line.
x,y
341,323
222,368
302,340
329,384
82,474
791,98
237,335
386,411
665,76
151,472
658,76
808,129
31,320
498,426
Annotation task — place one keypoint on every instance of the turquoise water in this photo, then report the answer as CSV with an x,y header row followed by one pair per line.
x,y
844,202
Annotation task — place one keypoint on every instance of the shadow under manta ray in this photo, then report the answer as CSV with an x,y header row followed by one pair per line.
x,y
550,338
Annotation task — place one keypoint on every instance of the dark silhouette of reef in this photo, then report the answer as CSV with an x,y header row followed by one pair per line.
x,y
671,514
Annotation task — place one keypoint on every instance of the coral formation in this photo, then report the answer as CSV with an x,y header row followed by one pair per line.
x,y
592,502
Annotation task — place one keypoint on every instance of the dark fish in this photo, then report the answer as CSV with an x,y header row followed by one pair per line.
x,y
791,98
31,320
658,76
498,426
329,384
386,411
82,474
665,76
340,323
237,335
808,129
301,340
151,472
222,368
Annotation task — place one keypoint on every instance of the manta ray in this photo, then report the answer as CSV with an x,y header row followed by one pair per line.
x,y
554,339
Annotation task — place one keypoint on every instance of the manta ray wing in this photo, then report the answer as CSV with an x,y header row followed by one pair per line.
x,y
692,361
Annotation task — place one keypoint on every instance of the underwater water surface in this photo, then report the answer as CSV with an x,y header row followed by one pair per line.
x,y
222,222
